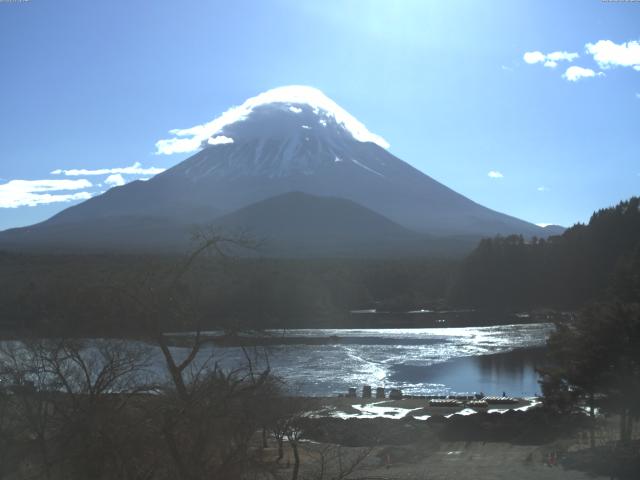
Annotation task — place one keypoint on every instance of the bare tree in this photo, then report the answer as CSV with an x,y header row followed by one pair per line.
x,y
207,416
67,397
92,411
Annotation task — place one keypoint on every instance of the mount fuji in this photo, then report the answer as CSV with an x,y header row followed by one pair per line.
x,y
289,165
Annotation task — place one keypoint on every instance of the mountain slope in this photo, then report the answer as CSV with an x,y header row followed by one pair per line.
x,y
125,233
298,224
292,139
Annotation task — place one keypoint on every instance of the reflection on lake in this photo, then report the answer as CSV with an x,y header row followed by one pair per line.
x,y
511,372
420,361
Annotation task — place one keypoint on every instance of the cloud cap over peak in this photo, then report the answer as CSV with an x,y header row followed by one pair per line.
x,y
191,139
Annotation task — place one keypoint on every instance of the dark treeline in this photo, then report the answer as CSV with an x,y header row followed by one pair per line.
x,y
565,271
83,294
594,360
80,294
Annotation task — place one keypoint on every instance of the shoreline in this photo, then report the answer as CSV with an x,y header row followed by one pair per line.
x,y
273,337
416,408
354,320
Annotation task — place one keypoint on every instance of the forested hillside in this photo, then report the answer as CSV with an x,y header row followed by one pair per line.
x,y
98,293
565,271
80,294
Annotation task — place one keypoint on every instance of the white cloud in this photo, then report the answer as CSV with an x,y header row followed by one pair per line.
x,y
549,60
575,73
115,180
182,145
295,109
46,185
605,53
534,57
542,189
495,174
609,54
135,169
19,193
559,56
638,96
191,139
219,140
543,225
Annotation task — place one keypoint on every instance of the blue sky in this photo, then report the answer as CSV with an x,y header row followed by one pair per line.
x,y
94,85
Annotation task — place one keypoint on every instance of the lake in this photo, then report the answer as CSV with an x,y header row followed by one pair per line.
x,y
420,361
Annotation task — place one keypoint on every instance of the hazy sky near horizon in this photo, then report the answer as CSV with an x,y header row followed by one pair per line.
x,y
531,108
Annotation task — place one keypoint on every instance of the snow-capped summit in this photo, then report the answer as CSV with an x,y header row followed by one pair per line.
x,y
292,99
283,139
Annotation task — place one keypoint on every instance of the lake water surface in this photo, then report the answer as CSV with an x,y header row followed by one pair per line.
x,y
425,361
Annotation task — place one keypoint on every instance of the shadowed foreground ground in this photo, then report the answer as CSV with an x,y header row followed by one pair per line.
x,y
449,460
513,445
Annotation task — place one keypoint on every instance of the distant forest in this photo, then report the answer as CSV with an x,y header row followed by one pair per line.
x,y
99,293
89,294
584,264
